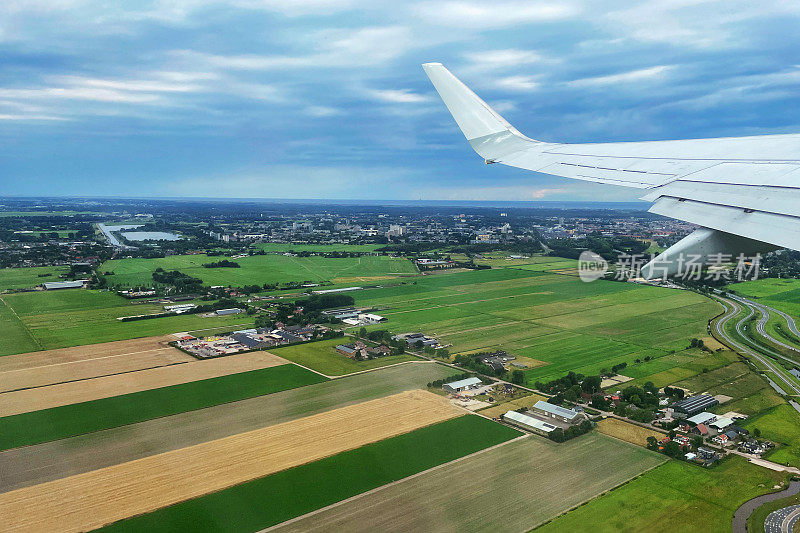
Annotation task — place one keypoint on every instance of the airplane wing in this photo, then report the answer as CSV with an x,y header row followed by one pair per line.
x,y
746,188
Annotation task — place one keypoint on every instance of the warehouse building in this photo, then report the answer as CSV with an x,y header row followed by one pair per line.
x,y
702,418
557,412
462,385
231,311
694,404
528,422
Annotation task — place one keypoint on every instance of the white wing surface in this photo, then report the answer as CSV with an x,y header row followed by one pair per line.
x,y
743,186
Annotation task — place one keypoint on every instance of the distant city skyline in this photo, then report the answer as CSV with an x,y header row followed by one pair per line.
x,y
317,99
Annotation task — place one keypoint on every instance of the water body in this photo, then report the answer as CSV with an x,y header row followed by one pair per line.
x,y
150,236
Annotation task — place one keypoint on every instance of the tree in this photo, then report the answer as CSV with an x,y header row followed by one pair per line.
x,y
518,377
362,332
650,387
591,384
652,443
697,442
672,449
756,432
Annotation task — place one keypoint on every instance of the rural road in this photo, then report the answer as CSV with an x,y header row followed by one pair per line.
x,y
744,511
732,308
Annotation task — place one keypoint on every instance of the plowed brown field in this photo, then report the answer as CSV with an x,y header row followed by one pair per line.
x,y
90,500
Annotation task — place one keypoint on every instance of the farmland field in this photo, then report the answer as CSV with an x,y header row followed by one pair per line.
x,y
496,410
71,392
550,317
35,464
676,496
614,427
257,269
90,500
75,419
511,488
46,367
323,357
317,248
25,278
33,321
273,499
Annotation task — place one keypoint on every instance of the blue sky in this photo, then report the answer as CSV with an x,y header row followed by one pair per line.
x,y
326,99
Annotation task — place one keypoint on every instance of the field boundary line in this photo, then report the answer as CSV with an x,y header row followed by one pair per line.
x,y
24,325
390,484
381,368
84,360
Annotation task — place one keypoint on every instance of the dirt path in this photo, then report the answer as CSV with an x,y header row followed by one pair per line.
x,y
90,500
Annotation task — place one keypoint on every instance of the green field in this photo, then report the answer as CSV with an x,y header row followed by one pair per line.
x,y
783,294
316,248
674,497
44,462
273,499
26,278
780,424
44,320
555,318
257,269
322,357
511,488
76,419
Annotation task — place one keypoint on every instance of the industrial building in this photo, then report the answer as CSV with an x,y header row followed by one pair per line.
x,y
231,311
462,385
557,412
694,404
702,418
528,422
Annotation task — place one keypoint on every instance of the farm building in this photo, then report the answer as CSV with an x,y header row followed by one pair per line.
x,y
694,404
231,311
462,385
369,318
528,422
347,349
702,418
557,412
721,423
55,285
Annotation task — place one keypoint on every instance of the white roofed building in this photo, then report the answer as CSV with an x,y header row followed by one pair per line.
x,y
528,422
557,412
462,385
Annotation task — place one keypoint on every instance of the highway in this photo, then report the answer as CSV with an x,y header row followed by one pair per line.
x,y
782,520
732,309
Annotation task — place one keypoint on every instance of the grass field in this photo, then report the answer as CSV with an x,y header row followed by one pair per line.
x,y
93,499
511,488
614,427
25,278
257,269
31,465
783,294
555,318
273,499
780,424
674,497
323,357
70,420
45,320
317,248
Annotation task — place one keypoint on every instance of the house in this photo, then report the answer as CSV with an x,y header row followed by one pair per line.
x,y
690,456
557,412
707,455
462,385
732,435
721,439
701,429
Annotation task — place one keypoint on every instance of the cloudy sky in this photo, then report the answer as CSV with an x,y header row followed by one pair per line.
x,y
326,99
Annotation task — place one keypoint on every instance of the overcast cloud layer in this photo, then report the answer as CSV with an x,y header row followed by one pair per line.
x,y
326,99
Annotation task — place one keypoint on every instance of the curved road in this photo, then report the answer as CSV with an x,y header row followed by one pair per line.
x,y
765,314
746,509
732,308
782,520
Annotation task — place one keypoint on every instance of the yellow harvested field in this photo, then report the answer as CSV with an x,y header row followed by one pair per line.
x,y
47,367
626,431
500,409
87,501
23,401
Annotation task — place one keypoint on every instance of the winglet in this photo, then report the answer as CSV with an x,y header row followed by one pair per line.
x,y
474,116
